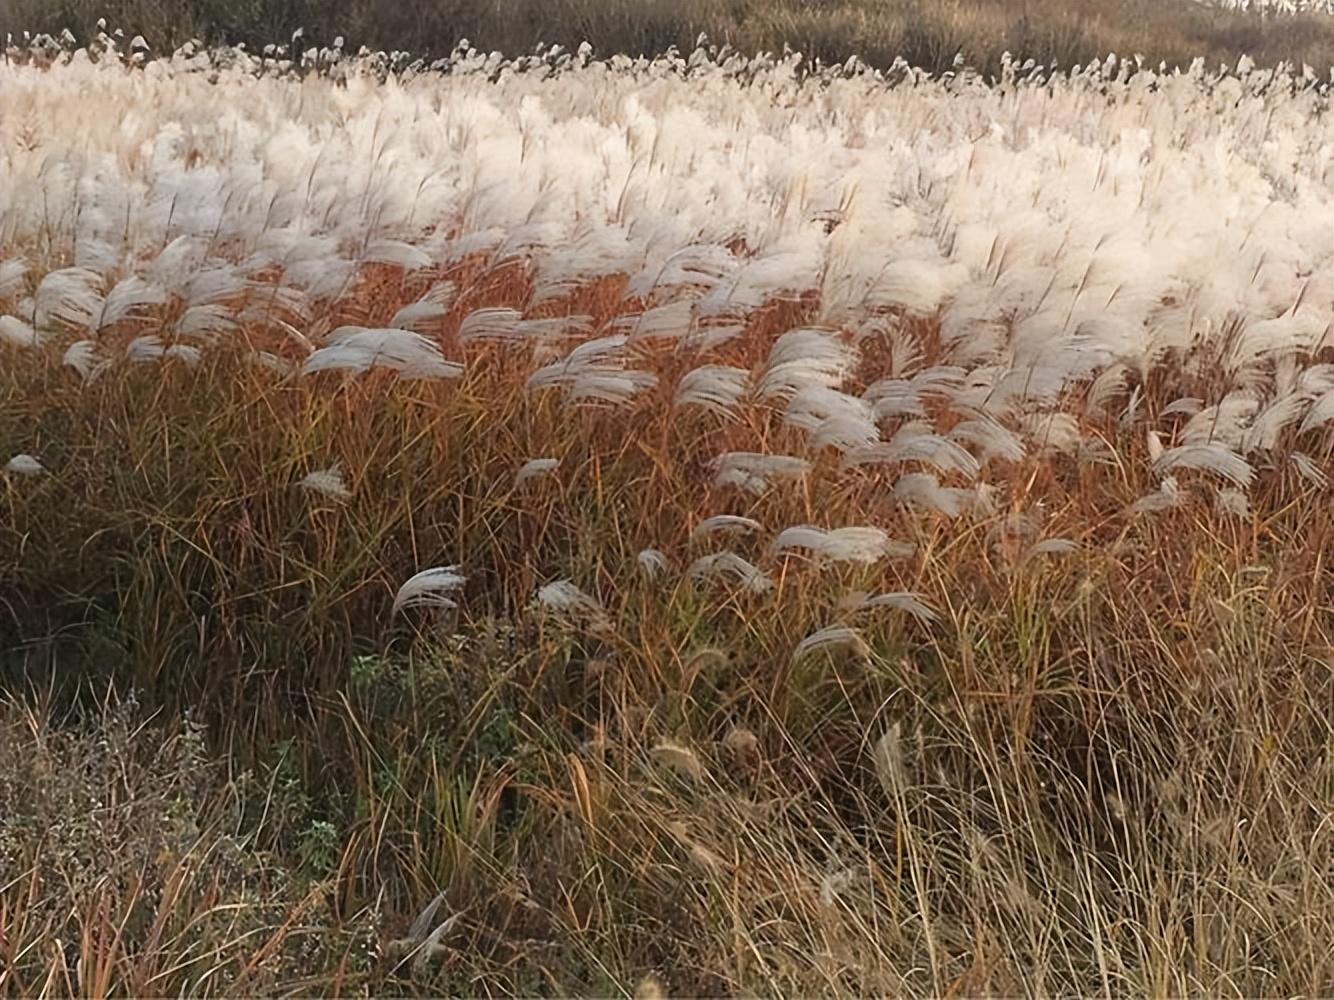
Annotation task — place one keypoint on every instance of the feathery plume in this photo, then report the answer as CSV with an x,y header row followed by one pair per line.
x,y
25,465
832,637
729,564
535,468
82,357
1232,502
359,349
16,333
863,545
730,524
431,588
679,759
1167,497
564,597
806,357
1214,457
755,472
905,601
716,388
922,491
652,563
327,483
1308,470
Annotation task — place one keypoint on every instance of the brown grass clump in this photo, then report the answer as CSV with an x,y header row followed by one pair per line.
x,y
1101,771
127,869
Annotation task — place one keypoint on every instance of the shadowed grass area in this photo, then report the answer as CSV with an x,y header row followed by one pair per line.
x,y
928,33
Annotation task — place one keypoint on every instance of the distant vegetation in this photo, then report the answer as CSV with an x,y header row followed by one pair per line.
x,y
928,33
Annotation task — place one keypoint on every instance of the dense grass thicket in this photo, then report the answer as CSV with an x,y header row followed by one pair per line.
x,y
929,34
703,525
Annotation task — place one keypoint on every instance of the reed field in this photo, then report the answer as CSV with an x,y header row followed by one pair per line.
x,y
708,524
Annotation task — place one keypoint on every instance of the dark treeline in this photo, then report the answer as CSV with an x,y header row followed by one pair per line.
x,y
928,33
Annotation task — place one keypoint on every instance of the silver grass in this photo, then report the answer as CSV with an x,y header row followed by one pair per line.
x,y
755,472
990,437
716,388
785,271
609,387
844,433
1269,423
1224,422
894,397
271,362
1308,470
25,465
1232,502
415,314
184,353
267,302
695,265
729,524
396,252
806,357
922,491
1110,383
1316,380
1048,547
564,597
670,321
730,565
178,261
1215,457
1052,432
206,322
12,273
97,255
358,349
16,333
144,350
829,639
1168,496
652,563
864,545
504,325
71,296
811,405
127,298
327,483
83,358
939,452
594,371
905,601
916,286
320,279
491,323
1189,405
707,336
431,588
1320,413
1155,446
213,285
535,468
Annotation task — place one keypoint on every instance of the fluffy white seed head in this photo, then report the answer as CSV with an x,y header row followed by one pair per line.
x,y
25,465
327,483
431,588
535,468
